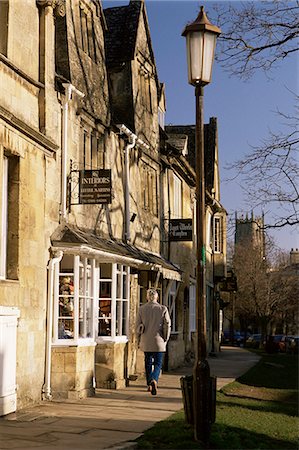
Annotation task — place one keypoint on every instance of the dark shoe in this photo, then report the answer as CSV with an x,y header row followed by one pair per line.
x,y
154,387
149,388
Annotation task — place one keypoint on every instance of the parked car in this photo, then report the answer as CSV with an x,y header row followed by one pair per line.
x,y
293,345
254,341
283,344
226,338
272,342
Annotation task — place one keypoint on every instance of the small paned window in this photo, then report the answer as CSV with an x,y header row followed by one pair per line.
x,y
217,234
145,90
87,33
177,198
73,295
113,311
150,189
93,150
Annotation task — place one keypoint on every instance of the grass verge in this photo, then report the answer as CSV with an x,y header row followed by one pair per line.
x,y
258,411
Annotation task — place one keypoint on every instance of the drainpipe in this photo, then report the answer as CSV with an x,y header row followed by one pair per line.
x,y
69,88
129,146
133,140
46,391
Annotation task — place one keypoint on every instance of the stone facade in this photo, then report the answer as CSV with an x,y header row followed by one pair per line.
x,y
28,206
84,100
179,164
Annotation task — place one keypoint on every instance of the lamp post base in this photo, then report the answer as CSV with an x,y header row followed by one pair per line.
x,y
202,401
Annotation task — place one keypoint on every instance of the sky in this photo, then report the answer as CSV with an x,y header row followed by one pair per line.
x,y
245,111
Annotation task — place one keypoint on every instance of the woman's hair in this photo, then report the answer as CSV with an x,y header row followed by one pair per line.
x,y
152,294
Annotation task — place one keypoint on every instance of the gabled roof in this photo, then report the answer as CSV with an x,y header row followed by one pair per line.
x,y
122,24
175,137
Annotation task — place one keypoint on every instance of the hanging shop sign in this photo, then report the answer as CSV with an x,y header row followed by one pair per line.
x,y
180,230
94,186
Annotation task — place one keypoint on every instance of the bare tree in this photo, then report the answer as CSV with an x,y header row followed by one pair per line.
x,y
259,36
267,292
252,297
256,35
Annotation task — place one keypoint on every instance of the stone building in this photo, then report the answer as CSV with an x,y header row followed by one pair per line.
x,y
80,196
29,151
250,231
179,212
84,197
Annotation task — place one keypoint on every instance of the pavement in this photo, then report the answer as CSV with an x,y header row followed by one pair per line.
x,y
112,419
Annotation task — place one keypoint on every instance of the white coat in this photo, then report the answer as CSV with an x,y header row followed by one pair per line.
x,y
153,327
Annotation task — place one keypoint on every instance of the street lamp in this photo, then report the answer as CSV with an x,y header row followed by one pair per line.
x,y
201,38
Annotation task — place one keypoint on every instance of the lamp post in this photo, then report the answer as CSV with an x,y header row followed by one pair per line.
x,y
201,38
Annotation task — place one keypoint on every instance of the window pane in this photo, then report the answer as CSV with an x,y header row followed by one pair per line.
x,y
105,301
118,286
65,328
119,318
66,307
106,271
104,327
124,289
124,317
85,303
85,317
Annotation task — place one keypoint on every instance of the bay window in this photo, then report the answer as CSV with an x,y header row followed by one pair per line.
x,y
91,301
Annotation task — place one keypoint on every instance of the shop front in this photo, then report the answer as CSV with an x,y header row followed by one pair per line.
x,y
95,287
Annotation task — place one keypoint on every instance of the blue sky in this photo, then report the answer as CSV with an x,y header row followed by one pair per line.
x,y
245,110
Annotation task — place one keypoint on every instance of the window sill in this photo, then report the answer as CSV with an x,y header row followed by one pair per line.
x,y
9,281
109,339
88,342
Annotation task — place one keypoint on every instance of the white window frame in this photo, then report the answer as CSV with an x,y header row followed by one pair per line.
x,y
120,304
3,224
192,309
83,318
217,234
177,197
209,231
80,316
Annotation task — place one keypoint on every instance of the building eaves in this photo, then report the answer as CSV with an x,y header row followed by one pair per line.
x,y
72,239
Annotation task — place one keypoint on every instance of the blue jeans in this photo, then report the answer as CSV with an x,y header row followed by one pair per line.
x,y
153,364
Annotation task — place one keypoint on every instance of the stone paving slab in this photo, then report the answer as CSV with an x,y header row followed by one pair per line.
x,y
111,419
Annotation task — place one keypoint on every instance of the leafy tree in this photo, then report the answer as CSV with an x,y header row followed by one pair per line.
x,y
258,36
